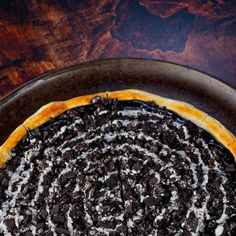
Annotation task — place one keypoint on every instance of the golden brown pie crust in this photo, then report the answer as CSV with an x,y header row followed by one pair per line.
x,y
185,110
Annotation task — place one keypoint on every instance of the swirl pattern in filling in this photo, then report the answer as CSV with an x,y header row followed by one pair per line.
x,y
118,168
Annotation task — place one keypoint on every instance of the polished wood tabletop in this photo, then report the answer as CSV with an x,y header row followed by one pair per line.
x,y
39,36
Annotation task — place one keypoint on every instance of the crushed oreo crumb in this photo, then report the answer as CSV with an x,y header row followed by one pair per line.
x,y
118,168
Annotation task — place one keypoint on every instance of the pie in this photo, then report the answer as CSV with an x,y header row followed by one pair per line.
x,y
118,163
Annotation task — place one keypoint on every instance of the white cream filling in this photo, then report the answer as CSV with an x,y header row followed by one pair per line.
x,y
21,177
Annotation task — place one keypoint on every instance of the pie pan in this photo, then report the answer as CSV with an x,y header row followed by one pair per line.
x,y
162,78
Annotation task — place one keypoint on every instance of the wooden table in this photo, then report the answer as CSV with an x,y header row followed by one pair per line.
x,y
38,36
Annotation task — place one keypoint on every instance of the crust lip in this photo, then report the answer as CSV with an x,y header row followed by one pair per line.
x,y
185,110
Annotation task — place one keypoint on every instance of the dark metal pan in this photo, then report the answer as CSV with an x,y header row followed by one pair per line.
x,y
162,78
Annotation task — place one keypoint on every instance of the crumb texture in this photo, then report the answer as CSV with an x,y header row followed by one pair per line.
x,y
118,168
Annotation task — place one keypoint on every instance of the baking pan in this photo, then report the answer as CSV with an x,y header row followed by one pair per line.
x,y
158,77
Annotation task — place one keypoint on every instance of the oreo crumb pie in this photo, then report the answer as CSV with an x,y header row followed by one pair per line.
x,y
118,163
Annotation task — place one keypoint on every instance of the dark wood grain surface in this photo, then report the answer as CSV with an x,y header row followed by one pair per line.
x,y
38,36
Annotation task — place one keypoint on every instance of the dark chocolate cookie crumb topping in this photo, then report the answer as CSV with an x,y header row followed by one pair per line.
x,y
118,168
